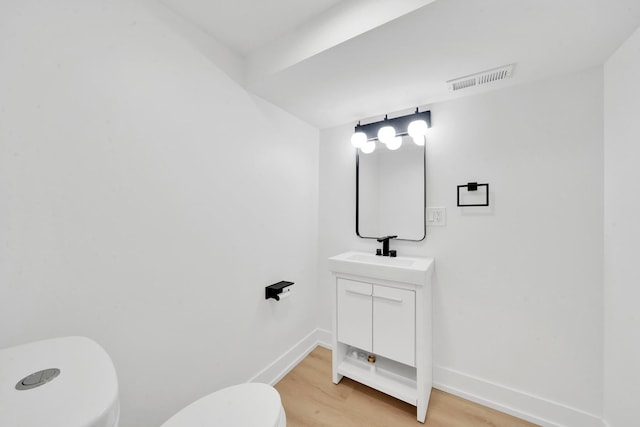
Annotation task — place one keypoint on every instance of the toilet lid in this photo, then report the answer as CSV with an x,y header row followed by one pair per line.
x,y
68,382
243,405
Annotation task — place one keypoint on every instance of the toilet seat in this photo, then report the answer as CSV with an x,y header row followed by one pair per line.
x,y
243,405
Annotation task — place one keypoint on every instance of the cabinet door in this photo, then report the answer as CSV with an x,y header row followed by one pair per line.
x,y
354,313
394,324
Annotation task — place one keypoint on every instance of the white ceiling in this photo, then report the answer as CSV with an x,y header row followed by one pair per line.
x,y
246,25
332,62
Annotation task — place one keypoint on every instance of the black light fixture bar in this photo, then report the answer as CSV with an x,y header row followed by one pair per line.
x,y
400,124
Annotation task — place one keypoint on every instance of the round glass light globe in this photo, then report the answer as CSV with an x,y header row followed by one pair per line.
x,y
417,128
358,139
395,143
419,140
368,147
386,134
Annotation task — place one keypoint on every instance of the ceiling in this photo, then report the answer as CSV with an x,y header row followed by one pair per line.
x,y
332,62
246,25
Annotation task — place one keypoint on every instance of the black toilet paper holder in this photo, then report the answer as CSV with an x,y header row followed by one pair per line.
x,y
274,291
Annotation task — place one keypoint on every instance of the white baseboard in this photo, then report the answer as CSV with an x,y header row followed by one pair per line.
x,y
324,338
523,405
285,363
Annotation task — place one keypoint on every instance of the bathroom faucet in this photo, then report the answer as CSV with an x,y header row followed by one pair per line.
x,y
385,246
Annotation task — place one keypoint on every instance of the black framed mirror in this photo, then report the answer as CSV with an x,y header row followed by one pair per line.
x,y
391,192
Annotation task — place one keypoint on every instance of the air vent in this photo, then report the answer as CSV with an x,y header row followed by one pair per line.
x,y
481,78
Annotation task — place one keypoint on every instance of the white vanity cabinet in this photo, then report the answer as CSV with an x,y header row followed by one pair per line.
x,y
378,319
385,318
394,324
355,313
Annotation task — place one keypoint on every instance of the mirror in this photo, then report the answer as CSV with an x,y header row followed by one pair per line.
x,y
390,192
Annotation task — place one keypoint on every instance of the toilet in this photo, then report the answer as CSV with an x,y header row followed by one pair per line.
x,y
71,382
246,405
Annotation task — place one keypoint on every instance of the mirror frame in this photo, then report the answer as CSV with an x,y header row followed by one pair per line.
x,y
424,199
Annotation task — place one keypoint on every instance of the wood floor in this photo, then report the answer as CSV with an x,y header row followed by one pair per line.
x,y
311,399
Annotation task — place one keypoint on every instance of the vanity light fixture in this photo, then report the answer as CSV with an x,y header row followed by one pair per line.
x,y
368,147
417,130
395,143
386,133
390,131
358,139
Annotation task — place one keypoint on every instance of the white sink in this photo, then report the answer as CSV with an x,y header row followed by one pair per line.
x,y
413,270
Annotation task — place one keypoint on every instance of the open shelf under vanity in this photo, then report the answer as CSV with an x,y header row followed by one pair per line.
x,y
393,378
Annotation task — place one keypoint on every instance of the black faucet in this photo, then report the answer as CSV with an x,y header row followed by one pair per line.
x,y
385,246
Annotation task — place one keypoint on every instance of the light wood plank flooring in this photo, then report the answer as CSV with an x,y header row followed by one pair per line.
x,y
311,399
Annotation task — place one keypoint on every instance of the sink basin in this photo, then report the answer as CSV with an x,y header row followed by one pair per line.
x,y
413,270
382,260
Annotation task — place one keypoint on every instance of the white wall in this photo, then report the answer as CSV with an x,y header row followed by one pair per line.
x,y
146,200
622,234
518,289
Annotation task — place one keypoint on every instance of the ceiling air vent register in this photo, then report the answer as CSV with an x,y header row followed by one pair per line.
x,y
481,78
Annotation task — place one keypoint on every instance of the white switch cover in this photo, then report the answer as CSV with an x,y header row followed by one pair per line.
x,y
437,217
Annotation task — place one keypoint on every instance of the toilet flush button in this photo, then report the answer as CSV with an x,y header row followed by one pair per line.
x,y
33,379
37,379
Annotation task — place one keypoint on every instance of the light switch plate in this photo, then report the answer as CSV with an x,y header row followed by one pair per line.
x,y
437,217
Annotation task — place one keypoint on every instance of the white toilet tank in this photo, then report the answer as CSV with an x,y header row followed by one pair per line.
x,y
62,382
